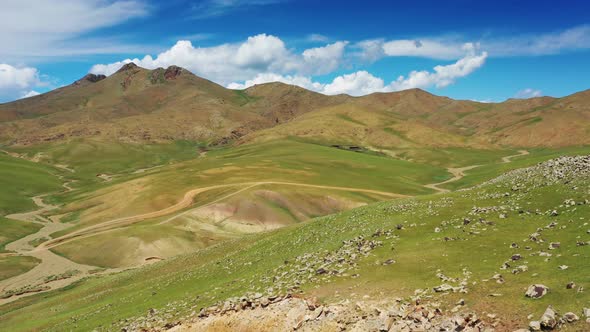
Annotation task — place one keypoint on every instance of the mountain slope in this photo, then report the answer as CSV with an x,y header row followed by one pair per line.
x,y
163,105
133,104
415,118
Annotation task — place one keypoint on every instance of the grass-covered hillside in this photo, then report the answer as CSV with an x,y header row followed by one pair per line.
x,y
486,246
22,179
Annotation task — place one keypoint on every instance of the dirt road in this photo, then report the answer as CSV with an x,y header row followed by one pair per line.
x,y
185,202
459,173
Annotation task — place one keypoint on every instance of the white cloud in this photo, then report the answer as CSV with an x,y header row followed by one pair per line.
x,y
228,63
355,84
323,60
18,81
442,76
442,49
302,81
362,82
528,93
576,38
31,93
51,28
370,50
425,48
17,78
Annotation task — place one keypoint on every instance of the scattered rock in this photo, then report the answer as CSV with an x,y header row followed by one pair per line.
x,y
535,325
389,262
443,288
536,291
570,317
548,320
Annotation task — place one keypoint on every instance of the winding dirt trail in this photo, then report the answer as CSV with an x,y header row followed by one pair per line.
x,y
508,159
459,173
53,264
50,263
186,202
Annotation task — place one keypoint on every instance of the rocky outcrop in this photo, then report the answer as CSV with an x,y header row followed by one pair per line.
x,y
306,314
127,67
90,78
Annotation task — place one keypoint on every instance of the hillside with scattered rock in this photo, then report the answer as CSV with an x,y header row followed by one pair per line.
x,y
509,254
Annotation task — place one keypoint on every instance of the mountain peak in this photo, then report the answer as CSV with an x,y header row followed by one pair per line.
x,y
127,66
92,78
173,72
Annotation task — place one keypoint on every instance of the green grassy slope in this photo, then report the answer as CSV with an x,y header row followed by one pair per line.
x,y
461,235
20,180
15,265
285,161
90,157
11,230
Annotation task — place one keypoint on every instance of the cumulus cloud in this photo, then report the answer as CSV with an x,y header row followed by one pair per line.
x,y
355,84
51,28
19,78
302,81
31,93
528,93
442,76
18,81
323,60
362,82
370,50
228,63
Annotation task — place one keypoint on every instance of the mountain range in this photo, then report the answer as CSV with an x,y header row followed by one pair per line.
x,y
140,105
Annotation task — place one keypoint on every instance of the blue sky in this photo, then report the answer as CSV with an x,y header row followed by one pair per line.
x,y
464,49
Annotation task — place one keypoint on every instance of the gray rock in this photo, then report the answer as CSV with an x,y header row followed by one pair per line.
x,y
389,261
548,320
443,288
535,325
570,317
536,291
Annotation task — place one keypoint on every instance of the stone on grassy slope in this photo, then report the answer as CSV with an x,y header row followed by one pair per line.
x,y
536,291
535,325
570,317
549,320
